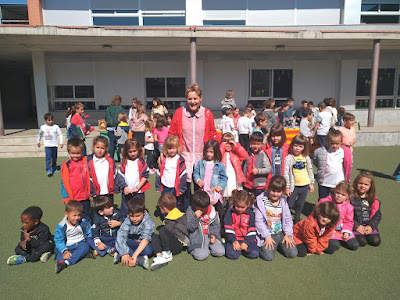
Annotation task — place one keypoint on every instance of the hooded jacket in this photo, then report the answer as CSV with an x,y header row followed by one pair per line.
x,y
175,222
240,227
237,155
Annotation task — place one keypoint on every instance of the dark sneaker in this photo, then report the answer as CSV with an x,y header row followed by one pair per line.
x,y
61,265
117,258
90,254
111,251
143,261
49,173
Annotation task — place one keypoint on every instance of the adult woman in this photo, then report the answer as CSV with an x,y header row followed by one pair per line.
x,y
158,108
137,122
112,112
194,126
132,110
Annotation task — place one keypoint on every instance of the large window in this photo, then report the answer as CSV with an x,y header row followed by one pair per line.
x,y
172,89
385,90
67,95
14,14
372,13
266,83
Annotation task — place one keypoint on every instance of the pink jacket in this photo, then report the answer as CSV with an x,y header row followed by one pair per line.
x,y
237,155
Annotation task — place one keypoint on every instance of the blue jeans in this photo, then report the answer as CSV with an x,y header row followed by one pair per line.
x,y
77,250
112,143
252,251
321,140
51,158
133,244
109,241
179,200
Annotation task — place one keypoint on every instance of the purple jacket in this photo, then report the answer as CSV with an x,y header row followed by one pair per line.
x,y
263,230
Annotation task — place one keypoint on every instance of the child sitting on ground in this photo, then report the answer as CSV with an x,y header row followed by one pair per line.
x,y
50,132
72,237
106,222
36,240
75,180
204,228
240,229
172,236
134,236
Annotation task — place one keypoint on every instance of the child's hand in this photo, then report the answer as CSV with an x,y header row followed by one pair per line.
x,y
101,246
368,229
38,144
255,171
135,189
269,243
361,229
244,247
216,189
132,262
200,183
311,188
127,190
289,241
212,239
67,254
61,145
22,244
125,260
236,246
27,237
180,193
114,223
322,253
198,213
288,192
309,254
345,235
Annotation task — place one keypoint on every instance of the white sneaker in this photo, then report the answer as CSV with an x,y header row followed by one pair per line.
x,y
167,255
159,262
45,257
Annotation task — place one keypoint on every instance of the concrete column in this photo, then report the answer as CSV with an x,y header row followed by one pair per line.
x,y
374,83
193,67
39,77
194,13
351,11
35,12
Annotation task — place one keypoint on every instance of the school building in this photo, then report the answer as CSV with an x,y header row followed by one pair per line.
x,y
56,52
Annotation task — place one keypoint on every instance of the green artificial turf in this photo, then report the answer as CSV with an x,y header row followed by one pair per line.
x,y
369,273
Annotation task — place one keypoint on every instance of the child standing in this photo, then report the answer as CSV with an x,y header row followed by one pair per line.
x,y
228,102
367,213
313,233
78,128
171,178
273,221
161,131
343,234
101,169
298,174
134,237
281,113
348,131
227,124
149,147
245,128
121,132
173,235
269,112
314,111
257,166
71,237
276,150
106,222
333,163
204,228
75,178
132,175
50,132
210,174
36,240
323,124
169,117
261,120
240,227
305,124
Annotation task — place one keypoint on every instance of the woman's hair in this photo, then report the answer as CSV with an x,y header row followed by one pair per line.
x,y
229,94
157,100
213,144
332,102
243,196
148,125
299,140
135,100
172,141
161,122
333,133
344,186
328,210
277,130
227,137
371,194
167,201
277,183
193,88
101,139
70,111
141,109
116,100
249,105
101,202
122,117
132,143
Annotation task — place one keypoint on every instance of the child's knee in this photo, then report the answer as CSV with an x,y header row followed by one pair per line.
x,y
200,253
217,249
266,254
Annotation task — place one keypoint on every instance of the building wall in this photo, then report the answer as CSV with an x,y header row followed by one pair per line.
x,y
66,13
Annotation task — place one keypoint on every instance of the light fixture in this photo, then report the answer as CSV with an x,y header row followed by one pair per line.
x,y
107,46
280,47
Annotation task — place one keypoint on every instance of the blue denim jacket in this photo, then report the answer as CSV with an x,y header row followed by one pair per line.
x,y
218,178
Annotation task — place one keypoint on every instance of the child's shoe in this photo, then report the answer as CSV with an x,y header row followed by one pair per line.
x,y
95,253
15,260
161,261
45,257
117,258
61,265
91,254
111,251
167,255
397,178
143,261
49,173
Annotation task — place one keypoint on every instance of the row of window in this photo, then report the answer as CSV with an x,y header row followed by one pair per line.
x,y
373,13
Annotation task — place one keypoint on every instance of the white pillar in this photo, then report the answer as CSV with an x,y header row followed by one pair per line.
x,y
39,77
351,11
194,13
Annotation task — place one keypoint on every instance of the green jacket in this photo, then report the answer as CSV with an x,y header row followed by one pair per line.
x,y
112,115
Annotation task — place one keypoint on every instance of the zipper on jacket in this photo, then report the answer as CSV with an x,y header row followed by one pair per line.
x,y
83,180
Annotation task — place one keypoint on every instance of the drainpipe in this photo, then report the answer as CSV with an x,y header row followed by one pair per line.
x,y
1,119
374,83
193,66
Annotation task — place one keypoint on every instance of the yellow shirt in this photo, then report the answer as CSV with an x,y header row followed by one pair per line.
x,y
301,177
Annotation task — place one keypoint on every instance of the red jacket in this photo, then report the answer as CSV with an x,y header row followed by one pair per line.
x,y
240,227
94,184
176,126
237,155
143,172
268,151
180,177
307,232
75,180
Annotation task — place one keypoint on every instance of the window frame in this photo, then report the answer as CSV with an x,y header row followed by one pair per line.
x,y
379,13
169,102
72,99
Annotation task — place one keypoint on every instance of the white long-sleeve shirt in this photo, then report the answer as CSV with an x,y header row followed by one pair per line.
x,y
244,125
50,134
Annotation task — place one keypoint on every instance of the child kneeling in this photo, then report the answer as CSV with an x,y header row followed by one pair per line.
x,y
72,236
134,237
240,227
173,235
204,228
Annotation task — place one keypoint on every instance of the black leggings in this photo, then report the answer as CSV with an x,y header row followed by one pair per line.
x,y
370,239
297,199
334,245
32,255
165,241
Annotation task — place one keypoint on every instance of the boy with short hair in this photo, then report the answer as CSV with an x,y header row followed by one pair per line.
x,y
314,110
106,222
289,111
71,237
204,228
244,128
227,124
50,132
36,240
281,113
134,236
348,131
269,112
75,180
257,166
261,122
323,124
121,132
173,235
305,124
299,112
